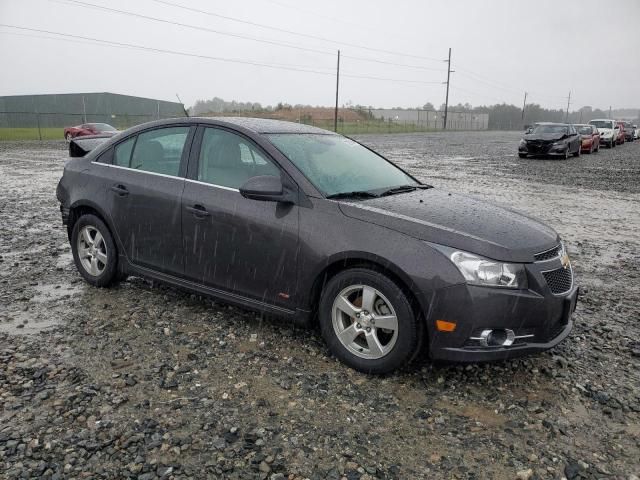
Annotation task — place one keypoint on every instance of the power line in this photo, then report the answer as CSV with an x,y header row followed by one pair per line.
x,y
306,35
501,86
246,37
221,59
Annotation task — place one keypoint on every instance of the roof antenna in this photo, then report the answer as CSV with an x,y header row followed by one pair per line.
x,y
186,113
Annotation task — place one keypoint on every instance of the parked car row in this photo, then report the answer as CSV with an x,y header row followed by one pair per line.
x,y
563,139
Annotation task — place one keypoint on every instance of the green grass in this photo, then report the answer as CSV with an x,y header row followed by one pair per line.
x,y
31,134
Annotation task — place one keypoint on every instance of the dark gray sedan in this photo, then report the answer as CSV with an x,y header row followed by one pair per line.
x,y
309,225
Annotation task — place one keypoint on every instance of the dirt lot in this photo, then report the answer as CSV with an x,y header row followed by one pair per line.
x,y
142,381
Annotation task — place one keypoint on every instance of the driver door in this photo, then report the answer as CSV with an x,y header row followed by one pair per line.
x,y
231,243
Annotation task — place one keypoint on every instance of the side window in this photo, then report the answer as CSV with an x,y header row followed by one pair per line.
x,y
106,157
122,153
228,160
160,151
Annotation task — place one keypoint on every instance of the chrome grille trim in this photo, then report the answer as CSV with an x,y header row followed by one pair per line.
x,y
549,254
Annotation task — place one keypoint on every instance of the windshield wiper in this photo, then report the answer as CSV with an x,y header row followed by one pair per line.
x,y
402,189
354,194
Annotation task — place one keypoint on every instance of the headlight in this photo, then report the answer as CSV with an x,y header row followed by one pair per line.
x,y
523,143
482,271
558,144
478,270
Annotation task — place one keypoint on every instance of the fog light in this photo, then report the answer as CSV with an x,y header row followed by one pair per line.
x,y
496,338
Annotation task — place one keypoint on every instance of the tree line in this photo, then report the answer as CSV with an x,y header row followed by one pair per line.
x,y
501,116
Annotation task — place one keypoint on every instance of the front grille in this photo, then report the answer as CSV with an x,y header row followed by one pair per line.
x,y
537,147
549,254
560,280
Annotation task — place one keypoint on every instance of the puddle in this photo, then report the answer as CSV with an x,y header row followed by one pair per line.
x,y
64,260
14,323
52,292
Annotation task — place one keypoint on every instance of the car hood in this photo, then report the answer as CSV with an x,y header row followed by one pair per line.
x,y
547,137
605,130
458,221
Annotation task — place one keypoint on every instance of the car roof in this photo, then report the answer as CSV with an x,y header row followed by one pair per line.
x,y
552,123
265,125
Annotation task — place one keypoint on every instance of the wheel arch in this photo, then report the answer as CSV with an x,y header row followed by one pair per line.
x,y
85,207
351,260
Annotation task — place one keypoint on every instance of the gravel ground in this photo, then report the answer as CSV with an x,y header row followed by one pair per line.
x,y
143,381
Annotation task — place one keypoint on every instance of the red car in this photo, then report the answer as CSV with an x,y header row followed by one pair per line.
x,y
590,138
89,129
621,132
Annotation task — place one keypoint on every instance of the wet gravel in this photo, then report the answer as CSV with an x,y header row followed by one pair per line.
x,y
143,381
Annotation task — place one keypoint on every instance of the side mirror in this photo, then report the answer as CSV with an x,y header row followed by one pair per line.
x,y
266,188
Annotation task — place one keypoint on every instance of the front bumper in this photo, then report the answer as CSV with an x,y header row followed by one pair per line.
x,y
540,318
543,150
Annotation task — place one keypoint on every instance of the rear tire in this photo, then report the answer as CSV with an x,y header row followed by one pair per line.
x,y
353,306
522,155
94,251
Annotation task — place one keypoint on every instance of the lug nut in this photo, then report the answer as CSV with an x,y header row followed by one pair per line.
x,y
358,315
359,326
368,329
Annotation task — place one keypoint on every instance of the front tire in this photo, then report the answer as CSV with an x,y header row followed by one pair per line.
x,y
578,151
367,321
522,155
94,251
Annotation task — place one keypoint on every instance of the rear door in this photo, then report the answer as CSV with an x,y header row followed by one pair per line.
x,y
240,246
144,193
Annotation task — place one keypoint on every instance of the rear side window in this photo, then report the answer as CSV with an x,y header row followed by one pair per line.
x,y
229,160
122,153
160,151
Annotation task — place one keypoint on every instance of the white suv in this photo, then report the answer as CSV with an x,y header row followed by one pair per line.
x,y
609,131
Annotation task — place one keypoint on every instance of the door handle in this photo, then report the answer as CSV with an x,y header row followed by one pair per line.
x,y
198,211
121,190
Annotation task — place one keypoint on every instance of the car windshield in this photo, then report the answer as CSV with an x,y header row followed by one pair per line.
x,y
601,124
584,130
103,127
550,129
335,164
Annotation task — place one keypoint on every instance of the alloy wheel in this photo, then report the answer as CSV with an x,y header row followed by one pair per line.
x,y
364,321
92,250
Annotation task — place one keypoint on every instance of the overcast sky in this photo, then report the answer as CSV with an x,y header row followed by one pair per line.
x,y
501,49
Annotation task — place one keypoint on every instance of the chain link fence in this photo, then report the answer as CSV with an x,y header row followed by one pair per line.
x,y
50,126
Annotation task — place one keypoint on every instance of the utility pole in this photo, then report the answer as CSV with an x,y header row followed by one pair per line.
x,y
609,111
566,118
84,110
446,102
335,112
524,105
